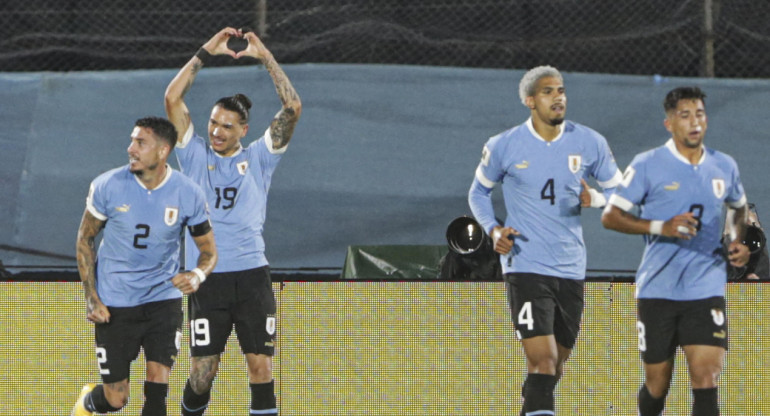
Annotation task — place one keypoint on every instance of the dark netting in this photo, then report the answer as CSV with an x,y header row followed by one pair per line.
x,y
629,37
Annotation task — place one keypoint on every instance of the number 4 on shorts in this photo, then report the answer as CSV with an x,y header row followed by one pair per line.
x,y
525,316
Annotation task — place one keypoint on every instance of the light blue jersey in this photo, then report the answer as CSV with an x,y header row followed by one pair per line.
x,y
541,188
665,184
139,251
236,188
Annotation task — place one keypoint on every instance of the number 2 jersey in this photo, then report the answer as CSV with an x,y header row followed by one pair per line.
x,y
664,184
139,251
541,188
236,189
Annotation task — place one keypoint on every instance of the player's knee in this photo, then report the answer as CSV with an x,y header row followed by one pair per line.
x,y
117,401
117,394
260,368
658,386
705,376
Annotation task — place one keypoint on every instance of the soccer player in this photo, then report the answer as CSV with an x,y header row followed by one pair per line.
x,y
681,189
236,180
133,286
542,165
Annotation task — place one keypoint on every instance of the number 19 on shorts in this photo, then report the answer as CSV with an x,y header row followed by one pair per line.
x,y
199,332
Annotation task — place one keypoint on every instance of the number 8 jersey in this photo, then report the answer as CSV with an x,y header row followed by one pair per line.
x,y
664,184
541,188
236,189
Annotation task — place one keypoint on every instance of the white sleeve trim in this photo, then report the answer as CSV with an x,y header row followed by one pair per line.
x,y
269,144
90,205
186,138
613,182
739,203
483,179
621,202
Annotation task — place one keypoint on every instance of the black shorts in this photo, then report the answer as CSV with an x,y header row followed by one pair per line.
x,y
156,327
545,305
243,299
664,324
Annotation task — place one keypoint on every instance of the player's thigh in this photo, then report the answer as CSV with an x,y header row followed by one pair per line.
x,y
118,343
163,335
255,313
656,328
533,304
210,315
569,311
704,322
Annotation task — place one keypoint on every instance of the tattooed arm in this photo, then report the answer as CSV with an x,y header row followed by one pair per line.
x,y
90,226
282,126
176,109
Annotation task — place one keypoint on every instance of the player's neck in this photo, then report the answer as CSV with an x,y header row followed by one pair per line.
x,y
547,131
152,178
692,154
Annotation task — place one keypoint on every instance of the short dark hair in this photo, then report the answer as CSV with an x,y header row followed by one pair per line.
x,y
238,103
682,93
162,128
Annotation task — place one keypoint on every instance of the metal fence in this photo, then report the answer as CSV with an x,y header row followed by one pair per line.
x,y
683,38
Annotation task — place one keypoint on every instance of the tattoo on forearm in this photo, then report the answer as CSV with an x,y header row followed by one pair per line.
x,y
196,66
86,253
282,126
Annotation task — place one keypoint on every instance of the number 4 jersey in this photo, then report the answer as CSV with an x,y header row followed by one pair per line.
x,y
664,184
139,251
236,188
541,188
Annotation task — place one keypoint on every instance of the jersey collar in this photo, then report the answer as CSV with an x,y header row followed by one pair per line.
x,y
236,153
671,146
160,185
531,128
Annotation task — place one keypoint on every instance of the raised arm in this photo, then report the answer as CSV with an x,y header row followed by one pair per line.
x,y
282,126
176,109
90,227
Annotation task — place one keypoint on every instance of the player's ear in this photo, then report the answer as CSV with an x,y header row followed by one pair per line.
x,y
530,101
667,124
245,130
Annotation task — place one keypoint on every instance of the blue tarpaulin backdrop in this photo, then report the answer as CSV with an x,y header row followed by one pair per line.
x,y
382,154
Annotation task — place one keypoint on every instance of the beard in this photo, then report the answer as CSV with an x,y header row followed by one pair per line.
x,y
555,121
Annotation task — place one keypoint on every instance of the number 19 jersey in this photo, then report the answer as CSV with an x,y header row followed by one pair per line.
x,y
236,189
664,184
541,188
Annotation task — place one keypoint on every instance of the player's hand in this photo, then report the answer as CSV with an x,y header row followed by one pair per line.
x,y
738,254
684,226
96,312
502,238
187,282
585,195
255,49
217,45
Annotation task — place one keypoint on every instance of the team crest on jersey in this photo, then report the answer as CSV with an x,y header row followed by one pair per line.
x,y
575,161
171,216
718,185
243,167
